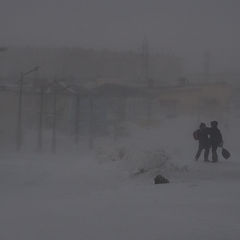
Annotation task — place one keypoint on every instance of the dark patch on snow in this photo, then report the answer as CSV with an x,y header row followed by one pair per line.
x,y
159,179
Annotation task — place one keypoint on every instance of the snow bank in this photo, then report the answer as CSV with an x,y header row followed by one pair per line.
x,y
169,146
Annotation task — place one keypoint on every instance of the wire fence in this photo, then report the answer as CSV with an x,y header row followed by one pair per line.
x,y
55,116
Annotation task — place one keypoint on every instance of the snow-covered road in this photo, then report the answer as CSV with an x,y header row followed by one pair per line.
x,y
47,199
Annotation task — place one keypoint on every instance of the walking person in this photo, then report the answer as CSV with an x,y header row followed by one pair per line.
x,y
203,141
216,140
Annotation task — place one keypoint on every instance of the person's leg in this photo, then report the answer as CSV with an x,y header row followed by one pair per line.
x,y
198,152
206,153
214,153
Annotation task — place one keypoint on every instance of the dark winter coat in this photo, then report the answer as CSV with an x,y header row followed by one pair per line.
x,y
215,136
203,137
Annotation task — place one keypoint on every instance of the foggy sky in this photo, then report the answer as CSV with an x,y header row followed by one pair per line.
x,y
186,27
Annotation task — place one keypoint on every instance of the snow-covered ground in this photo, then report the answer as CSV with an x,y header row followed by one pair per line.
x,y
109,193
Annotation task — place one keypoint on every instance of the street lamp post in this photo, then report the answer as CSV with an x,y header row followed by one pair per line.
x,y
19,134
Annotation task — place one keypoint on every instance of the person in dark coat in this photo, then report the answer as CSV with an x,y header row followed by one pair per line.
x,y
216,139
203,142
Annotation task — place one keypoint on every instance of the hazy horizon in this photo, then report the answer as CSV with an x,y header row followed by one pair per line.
x,y
187,28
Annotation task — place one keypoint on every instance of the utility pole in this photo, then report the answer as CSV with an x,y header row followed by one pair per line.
x,y
19,133
40,127
54,139
77,119
19,122
91,123
63,86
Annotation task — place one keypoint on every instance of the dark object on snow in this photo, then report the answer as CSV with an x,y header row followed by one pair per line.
x,y
159,179
225,153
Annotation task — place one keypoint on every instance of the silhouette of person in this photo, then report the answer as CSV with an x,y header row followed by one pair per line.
x,y
203,142
216,140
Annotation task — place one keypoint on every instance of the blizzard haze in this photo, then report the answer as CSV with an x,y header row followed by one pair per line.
x,y
97,98
186,27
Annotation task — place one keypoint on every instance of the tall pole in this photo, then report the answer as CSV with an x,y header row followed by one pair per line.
x,y
19,137
40,119
91,124
54,121
19,132
77,119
